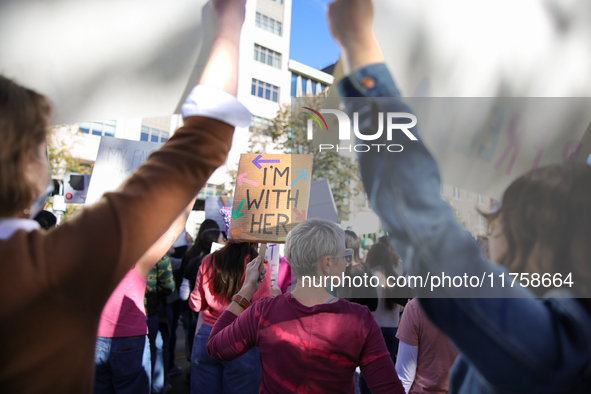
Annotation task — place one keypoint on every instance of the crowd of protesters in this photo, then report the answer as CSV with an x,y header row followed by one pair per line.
x,y
102,285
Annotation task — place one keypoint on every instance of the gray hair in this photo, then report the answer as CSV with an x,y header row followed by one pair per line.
x,y
308,242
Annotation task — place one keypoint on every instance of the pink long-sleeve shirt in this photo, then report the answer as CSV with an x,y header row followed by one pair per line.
x,y
308,349
204,299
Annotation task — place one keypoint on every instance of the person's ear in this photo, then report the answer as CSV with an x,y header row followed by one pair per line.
x,y
325,264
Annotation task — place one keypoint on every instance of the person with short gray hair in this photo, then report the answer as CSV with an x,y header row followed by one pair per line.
x,y
309,340
309,242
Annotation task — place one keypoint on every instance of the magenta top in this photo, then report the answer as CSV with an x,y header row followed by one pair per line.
x,y
308,349
204,299
123,314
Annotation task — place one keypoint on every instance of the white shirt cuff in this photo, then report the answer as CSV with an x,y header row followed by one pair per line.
x,y
216,103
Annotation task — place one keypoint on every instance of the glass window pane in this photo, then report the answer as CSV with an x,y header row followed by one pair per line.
x,y
261,90
110,130
270,59
314,88
85,127
256,52
257,20
265,24
294,85
304,85
272,25
263,58
145,129
97,128
154,138
155,132
253,89
209,193
164,134
144,137
268,92
275,96
162,139
278,28
277,60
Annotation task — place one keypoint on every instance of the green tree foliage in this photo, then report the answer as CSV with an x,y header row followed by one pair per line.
x,y
289,132
60,155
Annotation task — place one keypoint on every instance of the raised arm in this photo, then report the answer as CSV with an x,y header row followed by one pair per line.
x,y
100,245
159,248
404,190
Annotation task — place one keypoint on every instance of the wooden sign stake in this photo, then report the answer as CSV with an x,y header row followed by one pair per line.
x,y
262,256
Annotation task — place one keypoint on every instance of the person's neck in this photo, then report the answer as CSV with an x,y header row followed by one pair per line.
x,y
310,296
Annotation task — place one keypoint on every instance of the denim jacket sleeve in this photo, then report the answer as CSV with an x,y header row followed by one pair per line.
x,y
516,342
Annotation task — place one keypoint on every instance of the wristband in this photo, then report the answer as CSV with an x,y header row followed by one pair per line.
x,y
243,302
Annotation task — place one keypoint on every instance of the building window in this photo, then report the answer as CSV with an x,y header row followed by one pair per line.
x,y
480,199
98,128
294,85
257,20
268,24
457,192
308,86
265,90
267,56
304,86
153,135
259,123
210,190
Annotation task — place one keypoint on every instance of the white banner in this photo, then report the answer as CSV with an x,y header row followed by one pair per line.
x,y
481,55
100,60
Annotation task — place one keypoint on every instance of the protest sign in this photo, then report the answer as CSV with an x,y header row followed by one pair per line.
x,y
75,187
100,60
271,196
116,160
322,203
272,255
215,246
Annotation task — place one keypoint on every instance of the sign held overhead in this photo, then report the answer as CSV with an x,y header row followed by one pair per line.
x,y
272,195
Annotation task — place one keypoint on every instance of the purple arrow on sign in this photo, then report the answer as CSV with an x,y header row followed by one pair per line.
x,y
257,161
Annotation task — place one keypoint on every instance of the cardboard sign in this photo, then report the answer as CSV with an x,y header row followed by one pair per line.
x,y
272,195
322,203
75,187
116,160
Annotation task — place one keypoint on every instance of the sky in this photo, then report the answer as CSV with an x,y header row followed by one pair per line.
x,y
311,42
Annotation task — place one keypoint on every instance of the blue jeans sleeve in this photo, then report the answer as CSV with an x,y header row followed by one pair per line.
x,y
505,339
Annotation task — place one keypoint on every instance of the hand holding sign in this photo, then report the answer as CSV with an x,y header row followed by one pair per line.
x,y
266,204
